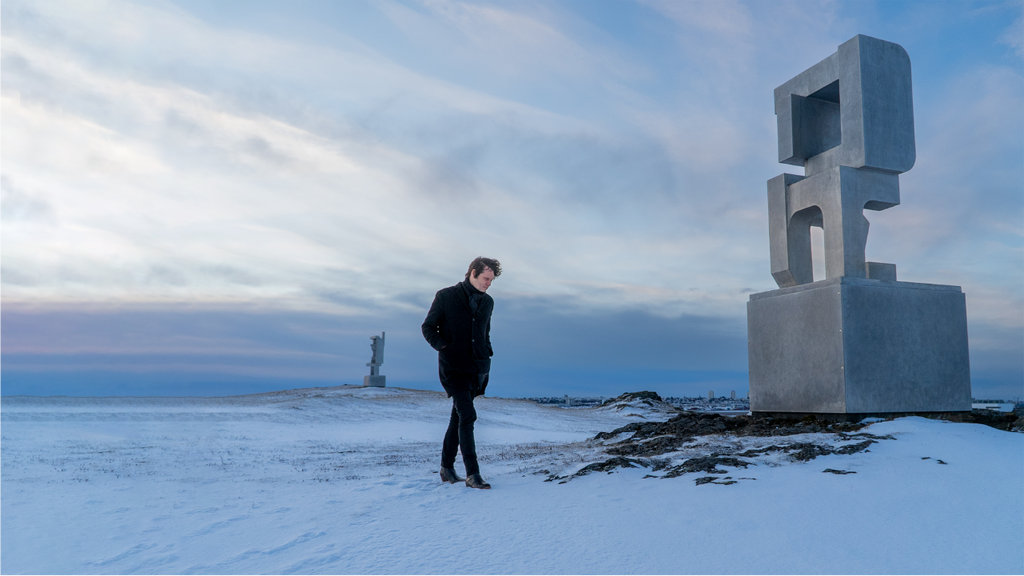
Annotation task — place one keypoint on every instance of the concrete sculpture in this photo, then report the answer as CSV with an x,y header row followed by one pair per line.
x,y
377,347
857,341
849,121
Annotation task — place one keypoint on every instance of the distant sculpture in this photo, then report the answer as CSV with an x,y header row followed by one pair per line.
x,y
859,341
377,347
849,121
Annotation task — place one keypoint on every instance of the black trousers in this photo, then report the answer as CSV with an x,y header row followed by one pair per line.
x,y
460,427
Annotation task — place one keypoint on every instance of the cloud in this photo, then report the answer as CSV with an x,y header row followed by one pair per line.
x,y
229,199
1013,37
297,209
537,52
18,206
729,18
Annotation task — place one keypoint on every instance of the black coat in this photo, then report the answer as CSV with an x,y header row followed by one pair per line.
x,y
461,337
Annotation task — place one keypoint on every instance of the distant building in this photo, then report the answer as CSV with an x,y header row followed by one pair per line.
x,y
711,394
732,395
567,401
993,406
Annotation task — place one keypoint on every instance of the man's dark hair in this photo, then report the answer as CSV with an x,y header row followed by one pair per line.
x,y
479,263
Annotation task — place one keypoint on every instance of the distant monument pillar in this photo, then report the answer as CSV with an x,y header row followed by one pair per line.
x,y
377,347
858,341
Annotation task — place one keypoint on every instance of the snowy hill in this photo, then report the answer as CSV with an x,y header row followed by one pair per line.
x,y
344,480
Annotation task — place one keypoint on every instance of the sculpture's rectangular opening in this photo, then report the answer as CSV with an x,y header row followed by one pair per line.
x,y
820,126
818,271
829,93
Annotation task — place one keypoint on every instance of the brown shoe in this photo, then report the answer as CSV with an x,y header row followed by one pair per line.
x,y
449,475
475,481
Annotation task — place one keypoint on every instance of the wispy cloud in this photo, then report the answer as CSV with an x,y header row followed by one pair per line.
x,y
1014,36
161,183
491,38
154,179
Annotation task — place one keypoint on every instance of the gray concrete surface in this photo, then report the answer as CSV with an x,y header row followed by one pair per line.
x,y
849,121
852,345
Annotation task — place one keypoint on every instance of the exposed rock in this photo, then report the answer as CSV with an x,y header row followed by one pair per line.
x,y
708,464
631,427
1018,424
606,466
630,396
642,402
1007,421
807,451
654,447
650,439
689,424
854,448
712,480
646,440
657,438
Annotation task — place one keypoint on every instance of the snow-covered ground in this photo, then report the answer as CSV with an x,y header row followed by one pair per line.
x,y
344,480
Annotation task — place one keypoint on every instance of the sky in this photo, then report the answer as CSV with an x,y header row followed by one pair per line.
x,y
215,198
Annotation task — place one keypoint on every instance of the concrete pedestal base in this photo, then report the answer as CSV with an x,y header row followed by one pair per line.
x,y
859,346
377,381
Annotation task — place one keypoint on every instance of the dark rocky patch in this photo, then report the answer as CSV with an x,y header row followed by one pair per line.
x,y
655,447
713,480
629,396
1006,421
843,436
854,448
690,424
650,439
759,451
609,465
707,464
631,427
606,466
1018,425
807,451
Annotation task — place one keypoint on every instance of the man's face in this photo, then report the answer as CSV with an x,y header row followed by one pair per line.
x,y
482,281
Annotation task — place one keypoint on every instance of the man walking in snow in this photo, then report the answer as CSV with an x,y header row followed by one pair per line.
x,y
458,326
